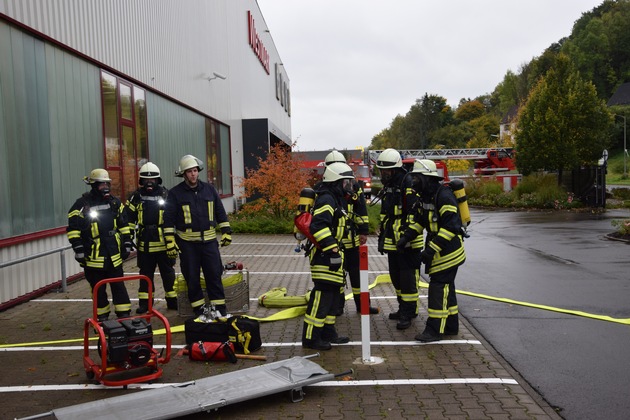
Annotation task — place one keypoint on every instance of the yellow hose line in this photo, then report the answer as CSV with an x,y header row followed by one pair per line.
x,y
382,278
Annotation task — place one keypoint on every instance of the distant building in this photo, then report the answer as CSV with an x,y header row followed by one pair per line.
x,y
508,124
621,96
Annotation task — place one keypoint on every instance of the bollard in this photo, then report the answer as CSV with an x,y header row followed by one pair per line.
x,y
365,305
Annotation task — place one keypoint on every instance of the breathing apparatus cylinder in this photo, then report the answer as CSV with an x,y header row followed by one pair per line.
x,y
306,201
305,204
457,185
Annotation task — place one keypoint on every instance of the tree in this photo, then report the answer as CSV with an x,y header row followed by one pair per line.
x,y
278,180
563,124
470,110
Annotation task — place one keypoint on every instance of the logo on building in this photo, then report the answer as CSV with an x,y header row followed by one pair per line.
x,y
256,43
282,90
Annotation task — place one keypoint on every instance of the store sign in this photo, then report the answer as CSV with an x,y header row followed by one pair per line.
x,y
282,90
256,43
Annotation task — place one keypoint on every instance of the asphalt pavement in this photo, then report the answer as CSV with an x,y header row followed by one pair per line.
x,y
391,376
549,290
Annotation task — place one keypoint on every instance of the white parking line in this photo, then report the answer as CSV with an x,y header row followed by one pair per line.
x,y
389,382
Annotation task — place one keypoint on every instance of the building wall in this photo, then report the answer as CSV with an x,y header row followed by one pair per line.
x,y
51,128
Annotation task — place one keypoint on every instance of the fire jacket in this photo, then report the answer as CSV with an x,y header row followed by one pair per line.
x,y
396,215
358,221
145,213
438,214
328,226
99,225
194,214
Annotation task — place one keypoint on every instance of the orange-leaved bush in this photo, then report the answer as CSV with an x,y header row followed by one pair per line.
x,y
277,183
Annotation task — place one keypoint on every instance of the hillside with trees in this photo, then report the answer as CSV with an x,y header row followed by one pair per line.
x,y
561,97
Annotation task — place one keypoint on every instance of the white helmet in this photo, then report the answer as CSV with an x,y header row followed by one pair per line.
x,y
149,170
389,159
336,171
425,167
187,162
333,157
97,175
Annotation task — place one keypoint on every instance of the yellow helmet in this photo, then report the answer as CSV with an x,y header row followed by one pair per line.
x,y
97,175
187,162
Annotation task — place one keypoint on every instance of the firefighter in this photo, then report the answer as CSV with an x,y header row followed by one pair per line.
x,y
193,217
397,199
328,227
145,213
443,251
358,228
101,240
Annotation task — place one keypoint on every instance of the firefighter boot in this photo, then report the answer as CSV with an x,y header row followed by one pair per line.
x,y
143,306
315,342
396,315
222,309
357,300
329,333
428,335
124,314
171,303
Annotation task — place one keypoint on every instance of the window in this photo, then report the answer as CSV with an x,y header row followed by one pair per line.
x,y
218,156
125,132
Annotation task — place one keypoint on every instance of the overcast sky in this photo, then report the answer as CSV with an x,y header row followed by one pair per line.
x,y
353,65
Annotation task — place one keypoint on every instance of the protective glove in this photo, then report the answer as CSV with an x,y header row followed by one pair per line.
x,y
172,250
335,261
226,239
427,255
381,243
402,243
126,248
79,255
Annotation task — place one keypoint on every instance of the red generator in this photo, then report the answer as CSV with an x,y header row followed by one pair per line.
x,y
125,345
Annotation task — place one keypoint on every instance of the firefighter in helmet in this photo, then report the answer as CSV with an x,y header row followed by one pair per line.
x,y
328,227
196,224
397,200
101,240
358,228
145,213
443,250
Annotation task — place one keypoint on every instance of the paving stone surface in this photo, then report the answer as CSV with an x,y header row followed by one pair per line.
x,y
457,378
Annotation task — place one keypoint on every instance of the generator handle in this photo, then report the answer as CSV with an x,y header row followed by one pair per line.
x,y
103,283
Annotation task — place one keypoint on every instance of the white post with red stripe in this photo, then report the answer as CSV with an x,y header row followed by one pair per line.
x,y
365,305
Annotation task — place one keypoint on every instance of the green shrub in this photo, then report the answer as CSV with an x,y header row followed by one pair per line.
x,y
262,224
622,226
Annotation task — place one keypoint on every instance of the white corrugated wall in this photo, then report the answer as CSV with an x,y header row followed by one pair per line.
x,y
171,46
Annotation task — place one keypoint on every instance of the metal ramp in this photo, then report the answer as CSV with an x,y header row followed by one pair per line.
x,y
206,394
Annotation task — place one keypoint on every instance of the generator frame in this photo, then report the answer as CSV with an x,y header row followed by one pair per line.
x,y
104,372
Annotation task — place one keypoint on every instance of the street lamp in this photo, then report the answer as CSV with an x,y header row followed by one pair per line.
x,y
625,151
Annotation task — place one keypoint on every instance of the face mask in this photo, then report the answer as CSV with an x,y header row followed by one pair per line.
x,y
386,175
149,184
104,189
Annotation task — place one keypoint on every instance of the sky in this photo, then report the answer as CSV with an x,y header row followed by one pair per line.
x,y
354,65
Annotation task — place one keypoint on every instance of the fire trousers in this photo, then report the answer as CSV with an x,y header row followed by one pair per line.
x,y
443,312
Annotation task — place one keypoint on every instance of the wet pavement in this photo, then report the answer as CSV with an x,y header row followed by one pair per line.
x,y
565,327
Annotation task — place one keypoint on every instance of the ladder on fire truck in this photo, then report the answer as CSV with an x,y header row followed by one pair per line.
x,y
445,154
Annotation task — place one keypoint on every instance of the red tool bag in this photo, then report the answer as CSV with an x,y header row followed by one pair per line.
x,y
210,351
